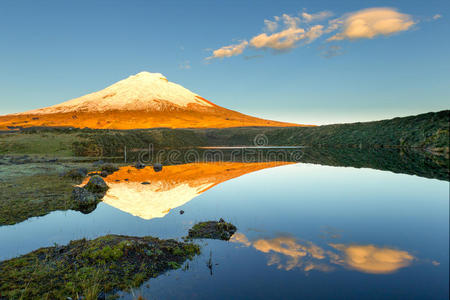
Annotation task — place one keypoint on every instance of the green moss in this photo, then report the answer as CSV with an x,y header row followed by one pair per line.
x,y
139,279
191,250
106,254
86,268
173,265
212,230
177,251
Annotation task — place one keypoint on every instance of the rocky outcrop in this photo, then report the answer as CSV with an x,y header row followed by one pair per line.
x,y
139,166
157,167
83,197
86,198
96,185
218,230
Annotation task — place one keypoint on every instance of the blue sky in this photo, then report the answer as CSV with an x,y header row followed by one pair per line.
x,y
52,51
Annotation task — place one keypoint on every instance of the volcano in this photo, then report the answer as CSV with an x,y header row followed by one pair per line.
x,y
144,100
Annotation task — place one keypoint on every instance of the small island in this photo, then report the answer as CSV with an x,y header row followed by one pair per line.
x,y
99,268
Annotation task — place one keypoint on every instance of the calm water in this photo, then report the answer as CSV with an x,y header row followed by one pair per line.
x,y
304,231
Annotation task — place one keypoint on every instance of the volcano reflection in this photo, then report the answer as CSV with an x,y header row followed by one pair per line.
x,y
172,187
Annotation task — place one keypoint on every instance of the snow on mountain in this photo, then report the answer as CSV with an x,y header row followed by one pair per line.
x,y
145,100
143,91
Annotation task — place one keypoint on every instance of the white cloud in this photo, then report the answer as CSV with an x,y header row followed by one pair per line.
x,y
290,21
270,26
228,51
282,40
285,32
185,65
372,22
308,18
287,38
314,33
334,24
437,16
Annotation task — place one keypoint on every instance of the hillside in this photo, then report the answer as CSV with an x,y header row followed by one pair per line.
x,y
426,131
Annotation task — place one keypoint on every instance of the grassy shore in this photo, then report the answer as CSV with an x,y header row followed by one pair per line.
x,y
32,186
91,269
426,131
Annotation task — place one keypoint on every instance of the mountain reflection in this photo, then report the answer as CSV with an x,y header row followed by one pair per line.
x,y
172,187
288,253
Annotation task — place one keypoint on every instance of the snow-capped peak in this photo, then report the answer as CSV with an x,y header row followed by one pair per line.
x,y
147,76
143,91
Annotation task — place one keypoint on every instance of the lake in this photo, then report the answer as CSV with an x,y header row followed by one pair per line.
x,y
321,227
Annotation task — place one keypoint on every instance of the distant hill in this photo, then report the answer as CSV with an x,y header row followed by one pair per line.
x,y
427,131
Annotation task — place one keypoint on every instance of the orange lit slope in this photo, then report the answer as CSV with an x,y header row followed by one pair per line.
x,y
172,187
145,100
193,174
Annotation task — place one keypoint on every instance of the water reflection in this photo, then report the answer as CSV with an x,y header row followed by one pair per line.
x,y
149,194
288,253
413,162
372,259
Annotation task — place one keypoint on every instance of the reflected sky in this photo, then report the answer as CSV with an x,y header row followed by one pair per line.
x,y
288,253
304,231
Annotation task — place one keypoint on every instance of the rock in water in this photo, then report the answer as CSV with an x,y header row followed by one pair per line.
x,y
139,165
96,185
212,230
157,167
84,198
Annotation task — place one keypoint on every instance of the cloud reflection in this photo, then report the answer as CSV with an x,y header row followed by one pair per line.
x,y
288,253
297,254
372,259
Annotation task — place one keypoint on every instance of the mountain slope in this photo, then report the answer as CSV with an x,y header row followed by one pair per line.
x,y
145,100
